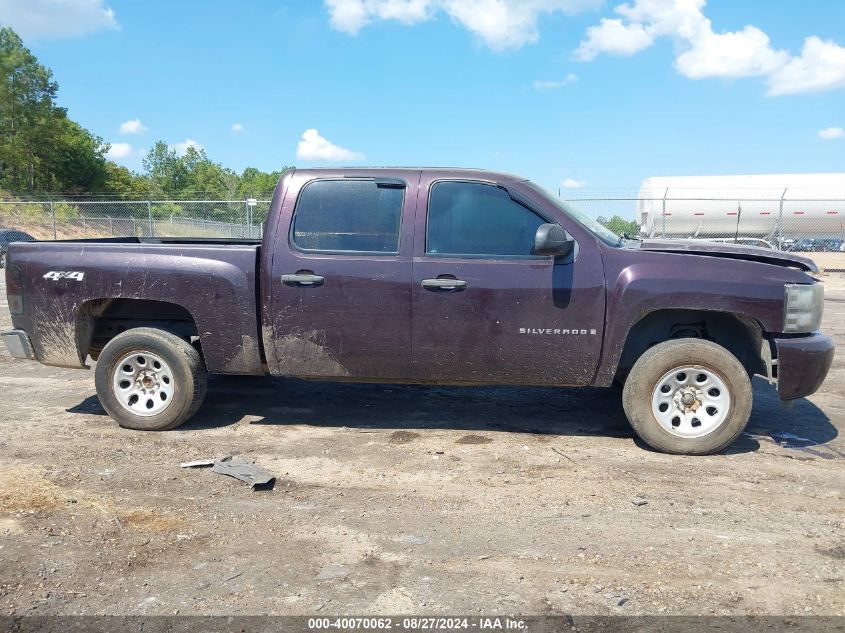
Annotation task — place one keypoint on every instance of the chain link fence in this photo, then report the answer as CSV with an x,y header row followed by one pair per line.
x,y
800,223
71,219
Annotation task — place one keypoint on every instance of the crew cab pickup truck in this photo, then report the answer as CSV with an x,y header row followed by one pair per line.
x,y
441,276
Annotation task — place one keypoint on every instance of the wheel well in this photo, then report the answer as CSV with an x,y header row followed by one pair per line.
x,y
740,335
100,320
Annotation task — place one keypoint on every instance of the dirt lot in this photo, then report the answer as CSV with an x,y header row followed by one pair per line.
x,y
406,499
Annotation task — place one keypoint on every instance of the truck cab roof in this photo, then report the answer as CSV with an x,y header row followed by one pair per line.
x,y
445,172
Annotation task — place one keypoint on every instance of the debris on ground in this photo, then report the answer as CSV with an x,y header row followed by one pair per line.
x,y
562,454
198,463
239,468
414,539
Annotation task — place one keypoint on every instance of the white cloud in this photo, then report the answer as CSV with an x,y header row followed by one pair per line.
x,y
182,148
350,16
571,183
821,66
614,37
132,126
744,53
550,84
701,52
500,24
118,151
56,18
237,128
315,147
830,133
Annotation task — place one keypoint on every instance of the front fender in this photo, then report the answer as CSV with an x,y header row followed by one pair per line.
x,y
661,281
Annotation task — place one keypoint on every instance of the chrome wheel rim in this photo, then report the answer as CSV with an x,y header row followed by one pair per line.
x,y
143,383
691,401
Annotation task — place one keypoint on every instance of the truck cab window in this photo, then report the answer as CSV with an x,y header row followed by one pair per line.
x,y
348,216
470,218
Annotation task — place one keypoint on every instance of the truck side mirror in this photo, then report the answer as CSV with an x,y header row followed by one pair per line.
x,y
552,239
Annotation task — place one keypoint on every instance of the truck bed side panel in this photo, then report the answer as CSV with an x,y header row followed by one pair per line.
x,y
216,284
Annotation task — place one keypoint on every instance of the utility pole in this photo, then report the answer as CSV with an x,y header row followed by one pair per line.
x,y
53,217
250,204
150,218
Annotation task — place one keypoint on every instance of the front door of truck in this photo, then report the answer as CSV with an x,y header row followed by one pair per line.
x,y
341,270
485,310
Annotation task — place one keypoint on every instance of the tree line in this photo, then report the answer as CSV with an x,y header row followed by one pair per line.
x,y
43,151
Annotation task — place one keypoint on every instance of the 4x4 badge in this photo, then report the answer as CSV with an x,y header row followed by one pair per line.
x,y
55,275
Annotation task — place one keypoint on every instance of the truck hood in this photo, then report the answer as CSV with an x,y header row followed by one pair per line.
x,y
734,251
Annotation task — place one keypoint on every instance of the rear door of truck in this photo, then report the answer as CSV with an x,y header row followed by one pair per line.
x,y
341,270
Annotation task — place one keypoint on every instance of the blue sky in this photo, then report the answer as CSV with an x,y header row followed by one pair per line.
x,y
560,91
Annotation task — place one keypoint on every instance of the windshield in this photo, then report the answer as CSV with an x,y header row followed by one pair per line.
x,y
604,234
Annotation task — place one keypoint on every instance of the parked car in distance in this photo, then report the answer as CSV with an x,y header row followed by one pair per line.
x,y
436,276
816,245
7,236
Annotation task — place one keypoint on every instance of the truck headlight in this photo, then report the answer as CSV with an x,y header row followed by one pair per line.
x,y
802,312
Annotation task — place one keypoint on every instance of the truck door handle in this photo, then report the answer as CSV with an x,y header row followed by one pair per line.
x,y
303,279
444,284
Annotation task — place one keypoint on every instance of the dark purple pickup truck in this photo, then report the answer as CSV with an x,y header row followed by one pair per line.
x,y
439,276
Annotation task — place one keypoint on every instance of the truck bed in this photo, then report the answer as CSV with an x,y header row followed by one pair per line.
x,y
217,241
67,285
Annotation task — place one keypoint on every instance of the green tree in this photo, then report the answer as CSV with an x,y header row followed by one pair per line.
x,y
76,161
206,178
165,171
40,148
27,111
121,181
195,175
255,183
619,225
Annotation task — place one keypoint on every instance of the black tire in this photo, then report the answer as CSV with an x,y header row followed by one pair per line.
x,y
184,363
664,358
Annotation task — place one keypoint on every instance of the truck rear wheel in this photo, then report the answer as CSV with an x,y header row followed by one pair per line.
x,y
150,380
688,396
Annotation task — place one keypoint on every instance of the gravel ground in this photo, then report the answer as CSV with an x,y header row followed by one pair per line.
x,y
409,499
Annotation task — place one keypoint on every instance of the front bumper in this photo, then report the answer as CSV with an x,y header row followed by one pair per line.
x,y
803,363
18,344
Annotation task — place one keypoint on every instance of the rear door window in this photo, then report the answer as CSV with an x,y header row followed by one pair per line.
x,y
348,216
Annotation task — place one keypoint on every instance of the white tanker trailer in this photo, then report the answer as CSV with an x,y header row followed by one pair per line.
x,y
779,208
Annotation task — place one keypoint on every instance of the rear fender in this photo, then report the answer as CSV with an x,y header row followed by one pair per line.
x,y
215,285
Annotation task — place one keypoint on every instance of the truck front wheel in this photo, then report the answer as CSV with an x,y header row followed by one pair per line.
x,y
688,396
150,380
